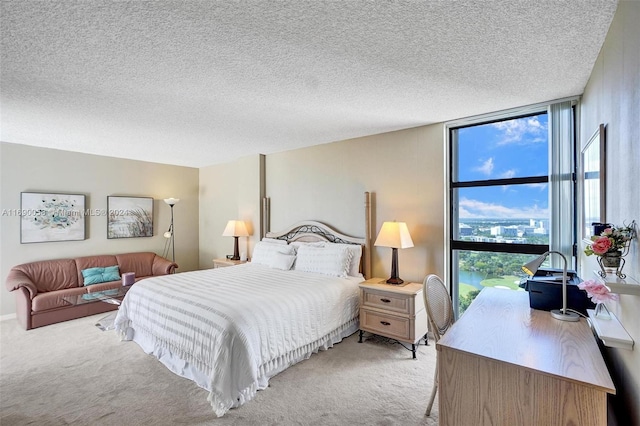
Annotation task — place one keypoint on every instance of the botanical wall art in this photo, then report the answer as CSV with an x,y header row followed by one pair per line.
x,y
51,217
129,217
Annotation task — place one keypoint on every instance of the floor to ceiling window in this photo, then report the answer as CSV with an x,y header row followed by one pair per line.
x,y
500,205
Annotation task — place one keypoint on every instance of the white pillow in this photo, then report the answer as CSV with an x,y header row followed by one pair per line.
x,y
298,244
328,260
264,252
274,240
282,261
356,250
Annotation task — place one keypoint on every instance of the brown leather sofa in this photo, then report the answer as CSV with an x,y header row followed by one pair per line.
x,y
41,286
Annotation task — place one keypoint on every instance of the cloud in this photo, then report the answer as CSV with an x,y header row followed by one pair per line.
x,y
474,209
486,167
540,186
508,174
521,130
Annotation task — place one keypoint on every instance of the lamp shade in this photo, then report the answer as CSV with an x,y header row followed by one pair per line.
x,y
172,201
235,228
532,267
394,234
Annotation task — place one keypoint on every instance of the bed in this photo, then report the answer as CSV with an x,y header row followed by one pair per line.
x,y
231,329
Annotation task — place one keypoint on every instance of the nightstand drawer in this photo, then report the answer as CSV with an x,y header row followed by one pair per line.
x,y
385,325
388,301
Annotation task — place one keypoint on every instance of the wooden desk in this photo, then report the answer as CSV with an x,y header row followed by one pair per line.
x,y
503,363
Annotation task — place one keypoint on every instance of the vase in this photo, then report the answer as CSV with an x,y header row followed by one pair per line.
x,y
602,312
611,262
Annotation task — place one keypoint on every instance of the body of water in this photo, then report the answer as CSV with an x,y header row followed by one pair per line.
x,y
471,278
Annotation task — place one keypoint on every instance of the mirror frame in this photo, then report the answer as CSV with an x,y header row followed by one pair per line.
x,y
593,180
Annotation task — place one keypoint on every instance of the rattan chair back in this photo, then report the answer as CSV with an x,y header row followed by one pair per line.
x,y
439,307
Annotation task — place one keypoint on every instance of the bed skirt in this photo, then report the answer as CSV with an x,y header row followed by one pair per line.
x,y
269,369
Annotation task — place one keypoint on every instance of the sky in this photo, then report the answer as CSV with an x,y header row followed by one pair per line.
x,y
506,149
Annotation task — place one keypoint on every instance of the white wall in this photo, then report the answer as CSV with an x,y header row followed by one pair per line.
x,y
31,169
404,170
227,192
612,97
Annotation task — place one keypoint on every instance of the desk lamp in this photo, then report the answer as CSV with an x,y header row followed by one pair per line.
x,y
532,267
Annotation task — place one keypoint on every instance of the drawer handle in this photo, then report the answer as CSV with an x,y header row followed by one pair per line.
x,y
385,300
385,323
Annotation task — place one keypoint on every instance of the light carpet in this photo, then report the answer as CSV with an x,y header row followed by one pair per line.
x,y
74,374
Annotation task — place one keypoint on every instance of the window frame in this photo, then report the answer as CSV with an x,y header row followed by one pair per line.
x,y
451,210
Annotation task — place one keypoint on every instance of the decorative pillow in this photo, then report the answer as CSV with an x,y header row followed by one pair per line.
x,y
282,261
330,260
274,241
264,252
100,275
297,244
354,267
356,249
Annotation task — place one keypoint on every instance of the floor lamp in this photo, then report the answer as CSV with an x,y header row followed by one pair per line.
x,y
170,234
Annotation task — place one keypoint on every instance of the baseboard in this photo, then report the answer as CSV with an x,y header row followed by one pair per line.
x,y
7,317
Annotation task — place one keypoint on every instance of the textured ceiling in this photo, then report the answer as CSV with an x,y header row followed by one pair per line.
x,y
196,83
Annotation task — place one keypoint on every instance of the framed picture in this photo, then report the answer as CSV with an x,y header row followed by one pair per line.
x,y
594,181
129,217
49,217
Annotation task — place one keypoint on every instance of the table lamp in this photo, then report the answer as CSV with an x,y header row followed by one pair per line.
x,y
533,266
235,228
394,235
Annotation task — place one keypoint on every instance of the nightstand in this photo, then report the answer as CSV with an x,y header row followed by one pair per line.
x,y
221,263
392,311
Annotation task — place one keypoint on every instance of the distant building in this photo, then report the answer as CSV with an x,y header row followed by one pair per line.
x,y
505,231
464,230
538,227
481,239
510,231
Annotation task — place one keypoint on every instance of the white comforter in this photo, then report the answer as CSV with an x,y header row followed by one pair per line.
x,y
231,329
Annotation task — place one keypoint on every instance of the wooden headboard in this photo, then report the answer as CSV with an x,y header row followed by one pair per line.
x,y
310,231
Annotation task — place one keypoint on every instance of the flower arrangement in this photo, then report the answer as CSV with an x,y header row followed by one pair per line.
x,y
597,291
611,240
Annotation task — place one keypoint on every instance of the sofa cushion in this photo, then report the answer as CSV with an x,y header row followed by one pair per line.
x,y
140,263
104,286
100,275
87,262
54,299
50,275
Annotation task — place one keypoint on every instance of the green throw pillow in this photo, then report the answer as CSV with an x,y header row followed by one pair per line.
x,y
100,275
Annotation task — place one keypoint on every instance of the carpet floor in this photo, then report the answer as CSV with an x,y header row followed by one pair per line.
x,y
72,373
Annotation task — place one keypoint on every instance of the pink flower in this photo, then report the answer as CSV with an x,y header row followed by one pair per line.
x,y
597,291
601,245
607,232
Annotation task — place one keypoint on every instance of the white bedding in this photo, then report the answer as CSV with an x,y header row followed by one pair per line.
x,y
231,329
